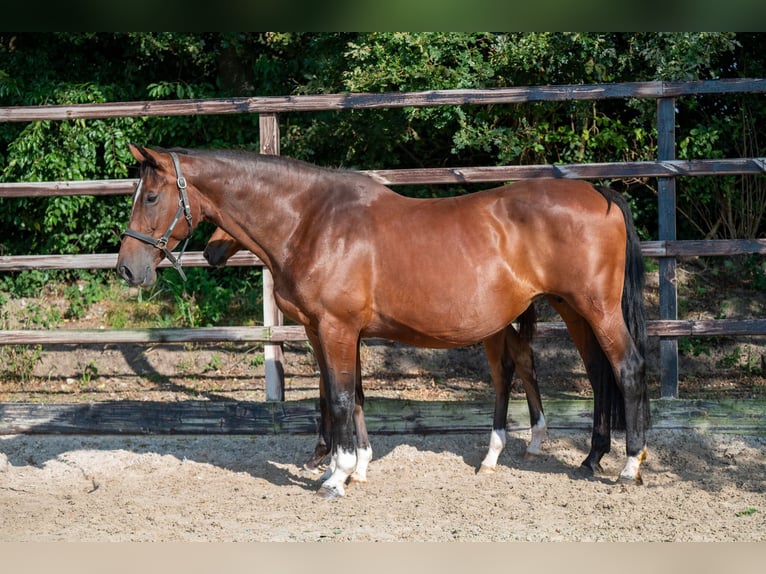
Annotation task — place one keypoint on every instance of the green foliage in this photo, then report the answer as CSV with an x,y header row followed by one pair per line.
x,y
696,346
743,359
89,372
82,294
81,68
67,150
746,512
27,283
257,360
17,362
214,363
207,299
754,267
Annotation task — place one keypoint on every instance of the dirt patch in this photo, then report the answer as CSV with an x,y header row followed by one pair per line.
x,y
698,488
231,371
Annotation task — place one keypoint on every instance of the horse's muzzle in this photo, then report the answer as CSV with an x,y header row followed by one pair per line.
x,y
145,279
214,256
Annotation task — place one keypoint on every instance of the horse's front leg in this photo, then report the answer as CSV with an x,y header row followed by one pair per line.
x,y
340,348
322,448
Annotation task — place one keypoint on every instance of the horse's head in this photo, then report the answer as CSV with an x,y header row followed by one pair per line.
x,y
220,248
161,218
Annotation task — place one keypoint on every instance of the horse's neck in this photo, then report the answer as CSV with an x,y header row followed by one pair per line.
x,y
260,208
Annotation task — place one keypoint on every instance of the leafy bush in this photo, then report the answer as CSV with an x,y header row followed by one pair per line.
x,y
73,68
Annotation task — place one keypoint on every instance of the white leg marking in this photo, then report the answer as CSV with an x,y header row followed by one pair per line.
x,y
343,464
632,469
538,436
363,458
328,470
496,445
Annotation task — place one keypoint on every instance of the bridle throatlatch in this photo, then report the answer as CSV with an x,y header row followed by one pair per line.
x,y
184,209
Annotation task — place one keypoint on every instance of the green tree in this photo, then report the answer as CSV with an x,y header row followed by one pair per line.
x,y
65,68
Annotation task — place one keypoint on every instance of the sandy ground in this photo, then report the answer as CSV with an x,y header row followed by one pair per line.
x,y
698,487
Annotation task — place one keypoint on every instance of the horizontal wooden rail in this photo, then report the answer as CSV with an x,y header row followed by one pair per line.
x,y
709,247
244,259
382,415
107,261
308,103
553,329
570,171
175,335
58,188
449,175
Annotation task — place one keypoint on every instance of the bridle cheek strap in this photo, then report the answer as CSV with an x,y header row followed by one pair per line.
x,y
184,209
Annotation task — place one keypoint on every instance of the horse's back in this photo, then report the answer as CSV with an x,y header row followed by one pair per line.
x,y
462,268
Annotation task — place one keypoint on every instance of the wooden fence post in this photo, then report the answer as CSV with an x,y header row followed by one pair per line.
x,y
273,353
666,151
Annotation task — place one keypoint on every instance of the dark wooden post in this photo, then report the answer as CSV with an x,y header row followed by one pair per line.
x,y
666,150
273,353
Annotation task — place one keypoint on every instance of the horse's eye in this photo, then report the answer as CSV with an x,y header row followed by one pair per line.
x,y
151,198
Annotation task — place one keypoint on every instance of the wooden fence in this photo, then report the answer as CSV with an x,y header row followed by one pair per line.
x,y
668,328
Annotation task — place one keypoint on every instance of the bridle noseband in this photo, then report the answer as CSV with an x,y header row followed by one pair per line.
x,y
183,209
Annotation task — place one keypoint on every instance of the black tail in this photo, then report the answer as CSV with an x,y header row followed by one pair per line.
x,y
632,310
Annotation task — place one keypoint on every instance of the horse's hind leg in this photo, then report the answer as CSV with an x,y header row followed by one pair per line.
x,y
363,447
508,352
601,377
615,369
517,346
628,364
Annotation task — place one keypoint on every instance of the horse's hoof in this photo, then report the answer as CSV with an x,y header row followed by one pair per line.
x,y
357,480
485,469
631,480
591,468
328,493
631,472
529,455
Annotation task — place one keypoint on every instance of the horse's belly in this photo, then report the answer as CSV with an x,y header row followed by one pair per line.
x,y
442,327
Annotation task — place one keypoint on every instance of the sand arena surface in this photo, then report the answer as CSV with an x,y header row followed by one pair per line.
x,y
698,487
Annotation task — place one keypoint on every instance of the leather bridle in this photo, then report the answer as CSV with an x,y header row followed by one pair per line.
x,y
184,209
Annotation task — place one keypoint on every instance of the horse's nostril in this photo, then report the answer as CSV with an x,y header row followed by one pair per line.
x,y
125,273
206,255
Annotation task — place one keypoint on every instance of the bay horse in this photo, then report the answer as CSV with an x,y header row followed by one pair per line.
x,y
351,259
221,247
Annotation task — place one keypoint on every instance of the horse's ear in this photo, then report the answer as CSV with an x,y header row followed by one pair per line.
x,y
144,155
